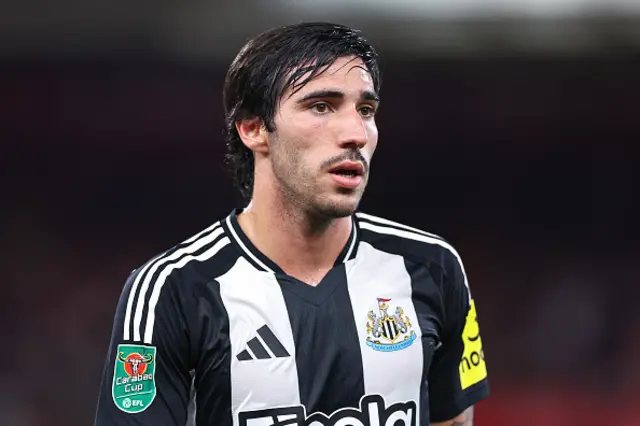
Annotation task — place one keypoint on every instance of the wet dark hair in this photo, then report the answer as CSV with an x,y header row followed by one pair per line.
x,y
272,62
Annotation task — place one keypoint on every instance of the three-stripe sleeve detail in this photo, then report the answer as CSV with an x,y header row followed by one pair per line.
x,y
150,279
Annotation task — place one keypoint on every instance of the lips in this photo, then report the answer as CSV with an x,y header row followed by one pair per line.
x,y
347,174
348,169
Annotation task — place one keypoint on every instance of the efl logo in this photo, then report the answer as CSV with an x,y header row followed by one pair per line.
x,y
372,412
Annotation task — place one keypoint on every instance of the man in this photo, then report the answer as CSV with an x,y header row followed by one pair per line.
x,y
296,310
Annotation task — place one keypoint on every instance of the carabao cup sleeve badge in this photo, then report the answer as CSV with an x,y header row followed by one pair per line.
x,y
134,384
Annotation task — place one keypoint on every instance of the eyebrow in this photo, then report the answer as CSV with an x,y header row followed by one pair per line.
x,y
367,95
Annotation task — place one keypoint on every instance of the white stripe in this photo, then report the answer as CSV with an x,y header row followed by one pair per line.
x,y
132,296
253,299
353,242
241,244
134,287
250,352
162,278
382,221
419,237
200,234
380,274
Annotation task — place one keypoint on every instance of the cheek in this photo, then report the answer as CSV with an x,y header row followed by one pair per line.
x,y
305,136
372,138
304,125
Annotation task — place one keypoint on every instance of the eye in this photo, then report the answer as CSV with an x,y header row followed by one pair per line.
x,y
367,111
320,107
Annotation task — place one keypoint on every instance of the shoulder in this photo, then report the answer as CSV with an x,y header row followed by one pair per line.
x,y
172,280
201,255
412,243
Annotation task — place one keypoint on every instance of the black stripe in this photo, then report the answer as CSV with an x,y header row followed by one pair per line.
x,y
328,355
424,292
211,350
421,252
272,342
244,356
258,350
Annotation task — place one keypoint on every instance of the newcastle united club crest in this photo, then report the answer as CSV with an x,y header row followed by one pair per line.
x,y
389,332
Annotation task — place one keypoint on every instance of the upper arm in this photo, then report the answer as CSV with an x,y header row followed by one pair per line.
x,y
146,378
458,375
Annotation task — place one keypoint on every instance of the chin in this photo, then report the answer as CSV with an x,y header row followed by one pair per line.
x,y
341,211
342,206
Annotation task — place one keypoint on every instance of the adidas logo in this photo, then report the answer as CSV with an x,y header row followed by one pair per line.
x,y
264,346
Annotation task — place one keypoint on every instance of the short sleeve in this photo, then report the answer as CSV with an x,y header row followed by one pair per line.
x,y
146,379
458,374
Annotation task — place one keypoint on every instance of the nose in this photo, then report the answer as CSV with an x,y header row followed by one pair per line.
x,y
352,130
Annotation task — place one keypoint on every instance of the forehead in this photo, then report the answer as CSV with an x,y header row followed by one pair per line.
x,y
348,74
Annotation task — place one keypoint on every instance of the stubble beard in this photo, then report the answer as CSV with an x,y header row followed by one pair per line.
x,y
301,189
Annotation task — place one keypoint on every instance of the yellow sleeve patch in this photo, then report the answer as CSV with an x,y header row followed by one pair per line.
x,y
472,366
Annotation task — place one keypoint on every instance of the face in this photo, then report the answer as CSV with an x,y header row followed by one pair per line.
x,y
324,140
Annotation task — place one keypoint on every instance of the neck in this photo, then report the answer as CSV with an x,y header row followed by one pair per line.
x,y
302,244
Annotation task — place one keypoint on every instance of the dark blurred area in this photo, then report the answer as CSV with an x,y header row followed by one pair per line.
x,y
520,156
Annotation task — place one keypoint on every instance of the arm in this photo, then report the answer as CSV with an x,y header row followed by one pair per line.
x,y
458,374
146,380
464,419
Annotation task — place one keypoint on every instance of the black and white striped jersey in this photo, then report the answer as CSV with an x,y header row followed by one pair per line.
x,y
213,333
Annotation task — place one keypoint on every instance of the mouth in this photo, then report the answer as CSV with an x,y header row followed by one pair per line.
x,y
348,174
348,169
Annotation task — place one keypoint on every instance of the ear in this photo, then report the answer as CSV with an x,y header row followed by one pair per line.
x,y
253,134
